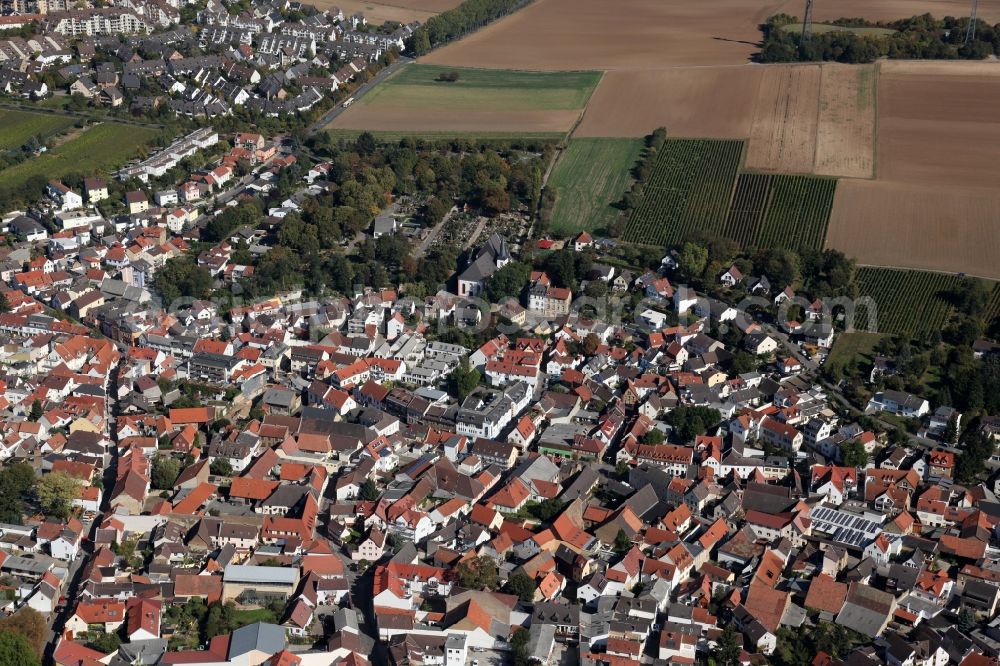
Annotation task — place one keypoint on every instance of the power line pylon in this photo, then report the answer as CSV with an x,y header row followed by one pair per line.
x,y
970,30
808,21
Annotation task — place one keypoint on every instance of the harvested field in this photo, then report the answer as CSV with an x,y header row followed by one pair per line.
x,y
845,140
938,124
934,205
490,101
916,226
402,11
626,34
690,102
653,34
783,133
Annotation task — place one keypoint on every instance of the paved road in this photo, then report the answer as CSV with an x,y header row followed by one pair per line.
x,y
431,235
57,619
361,91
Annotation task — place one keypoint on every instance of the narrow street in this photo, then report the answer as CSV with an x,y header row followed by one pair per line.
x,y
425,244
76,568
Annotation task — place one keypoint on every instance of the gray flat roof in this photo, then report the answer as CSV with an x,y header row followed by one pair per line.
x,y
245,573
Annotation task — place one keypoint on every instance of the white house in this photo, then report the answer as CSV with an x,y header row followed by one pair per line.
x,y
899,403
62,195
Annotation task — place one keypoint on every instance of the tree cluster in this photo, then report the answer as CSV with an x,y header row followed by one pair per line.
x,y
566,267
454,23
28,624
165,471
55,492
182,277
365,176
462,381
922,37
689,422
478,573
970,465
16,481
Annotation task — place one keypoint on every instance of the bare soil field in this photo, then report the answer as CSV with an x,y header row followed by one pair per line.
x,y
785,119
652,34
938,125
913,226
845,140
386,119
403,11
712,102
619,34
799,118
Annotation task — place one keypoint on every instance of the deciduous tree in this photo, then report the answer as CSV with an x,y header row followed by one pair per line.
x,y
56,492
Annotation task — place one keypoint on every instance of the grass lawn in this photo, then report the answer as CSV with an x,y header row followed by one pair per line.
x,y
850,348
98,149
16,127
818,28
416,86
245,617
590,175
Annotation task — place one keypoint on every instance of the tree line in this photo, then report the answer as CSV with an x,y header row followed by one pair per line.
x,y
922,37
454,23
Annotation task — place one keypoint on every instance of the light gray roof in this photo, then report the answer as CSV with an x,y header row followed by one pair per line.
x,y
259,636
243,573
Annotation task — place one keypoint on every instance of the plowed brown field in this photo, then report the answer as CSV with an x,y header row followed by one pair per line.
x,y
402,11
712,102
938,125
786,115
934,204
652,34
615,34
915,226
